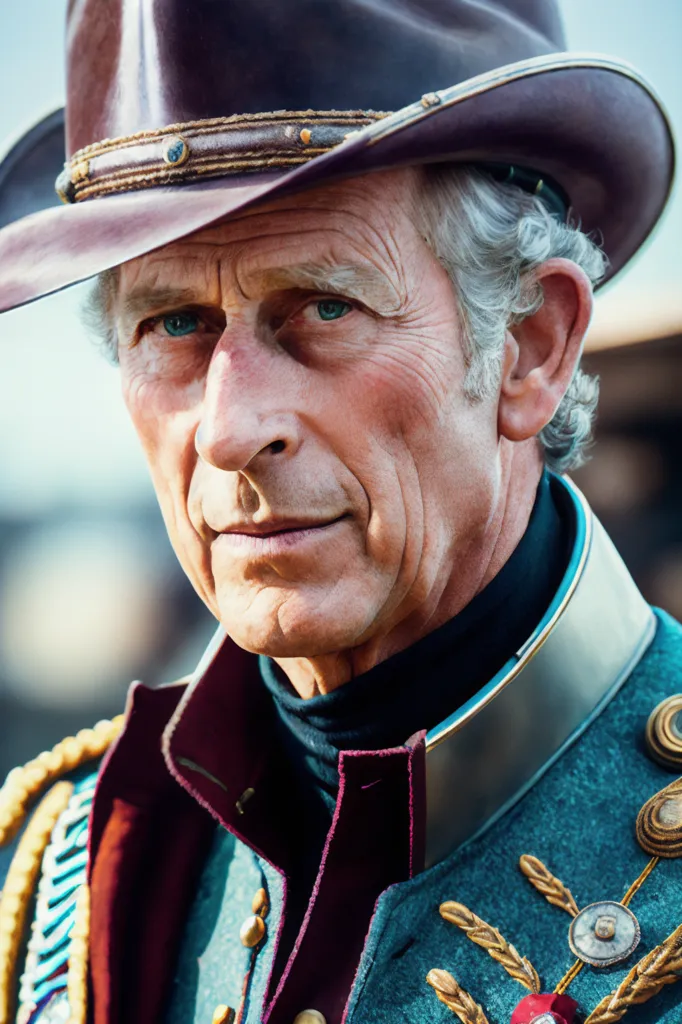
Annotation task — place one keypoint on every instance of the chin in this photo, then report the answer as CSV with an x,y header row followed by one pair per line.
x,y
295,625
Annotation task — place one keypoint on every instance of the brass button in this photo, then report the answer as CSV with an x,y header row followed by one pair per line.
x,y
260,904
223,1015
252,931
310,1017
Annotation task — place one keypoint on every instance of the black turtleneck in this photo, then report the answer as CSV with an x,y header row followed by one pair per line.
x,y
419,687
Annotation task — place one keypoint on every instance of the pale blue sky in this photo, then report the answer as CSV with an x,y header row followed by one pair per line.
x,y
64,431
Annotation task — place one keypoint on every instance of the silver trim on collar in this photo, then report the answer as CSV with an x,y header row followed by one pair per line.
x,y
487,755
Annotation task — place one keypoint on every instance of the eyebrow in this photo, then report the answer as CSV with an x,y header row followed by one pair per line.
x,y
358,281
142,302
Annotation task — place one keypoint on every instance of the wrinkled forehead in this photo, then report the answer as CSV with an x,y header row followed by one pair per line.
x,y
353,229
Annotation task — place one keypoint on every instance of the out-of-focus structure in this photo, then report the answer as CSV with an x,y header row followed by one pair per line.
x,y
634,477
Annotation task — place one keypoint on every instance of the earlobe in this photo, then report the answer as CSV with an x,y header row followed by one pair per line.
x,y
542,352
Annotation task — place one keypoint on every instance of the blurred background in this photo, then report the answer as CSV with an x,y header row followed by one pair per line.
x,y
91,596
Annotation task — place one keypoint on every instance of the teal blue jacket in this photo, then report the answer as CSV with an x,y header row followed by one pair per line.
x,y
548,761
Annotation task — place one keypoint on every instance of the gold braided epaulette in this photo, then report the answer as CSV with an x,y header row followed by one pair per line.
x,y
24,785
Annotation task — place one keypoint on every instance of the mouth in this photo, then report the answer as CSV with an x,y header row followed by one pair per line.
x,y
276,535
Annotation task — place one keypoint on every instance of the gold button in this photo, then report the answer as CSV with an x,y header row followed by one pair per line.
x,y
310,1017
223,1015
252,931
260,903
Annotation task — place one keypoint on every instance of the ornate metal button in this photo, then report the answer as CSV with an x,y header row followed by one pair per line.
x,y
252,931
310,1017
604,933
664,733
175,151
659,823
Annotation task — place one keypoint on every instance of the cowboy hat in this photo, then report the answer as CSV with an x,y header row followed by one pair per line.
x,y
179,114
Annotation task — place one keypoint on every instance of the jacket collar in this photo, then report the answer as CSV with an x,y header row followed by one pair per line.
x,y
480,760
504,739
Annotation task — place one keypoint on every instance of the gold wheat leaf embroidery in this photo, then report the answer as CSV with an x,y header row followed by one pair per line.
x,y
456,998
490,939
554,891
662,966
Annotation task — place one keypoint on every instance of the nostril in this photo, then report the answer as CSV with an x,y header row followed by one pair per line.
x,y
276,447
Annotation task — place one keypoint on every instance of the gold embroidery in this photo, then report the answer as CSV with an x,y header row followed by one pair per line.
x,y
77,977
455,998
568,977
23,785
492,941
542,879
662,966
639,882
19,886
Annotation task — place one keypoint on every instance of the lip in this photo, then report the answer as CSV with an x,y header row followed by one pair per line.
x,y
276,535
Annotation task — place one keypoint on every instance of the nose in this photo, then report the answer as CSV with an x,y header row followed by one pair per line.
x,y
244,414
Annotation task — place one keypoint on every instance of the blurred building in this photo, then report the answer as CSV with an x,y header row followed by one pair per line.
x,y
90,599
634,478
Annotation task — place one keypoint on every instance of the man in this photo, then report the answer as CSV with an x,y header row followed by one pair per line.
x,y
355,383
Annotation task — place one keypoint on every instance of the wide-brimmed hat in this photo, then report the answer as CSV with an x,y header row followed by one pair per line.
x,y
182,112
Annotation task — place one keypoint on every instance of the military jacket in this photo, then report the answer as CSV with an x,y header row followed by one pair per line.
x,y
533,873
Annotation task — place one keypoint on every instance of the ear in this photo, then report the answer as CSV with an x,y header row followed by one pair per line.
x,y
542,352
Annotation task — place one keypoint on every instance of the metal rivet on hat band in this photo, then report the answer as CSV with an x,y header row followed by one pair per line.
x,y
175,151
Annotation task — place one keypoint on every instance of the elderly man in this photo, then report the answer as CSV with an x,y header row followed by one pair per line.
x,y
350,343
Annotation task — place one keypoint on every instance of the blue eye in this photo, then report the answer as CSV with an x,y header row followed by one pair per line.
x,y
179,324
333,309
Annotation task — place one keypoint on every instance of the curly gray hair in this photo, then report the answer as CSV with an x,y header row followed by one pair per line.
x,y
489,237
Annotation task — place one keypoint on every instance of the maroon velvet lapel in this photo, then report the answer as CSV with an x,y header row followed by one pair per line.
x,y
147,845
375,841
218,746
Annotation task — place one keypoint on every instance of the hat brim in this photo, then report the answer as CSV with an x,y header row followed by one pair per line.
x,y
590,123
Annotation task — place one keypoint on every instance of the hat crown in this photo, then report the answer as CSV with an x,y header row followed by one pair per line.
x,y
135,65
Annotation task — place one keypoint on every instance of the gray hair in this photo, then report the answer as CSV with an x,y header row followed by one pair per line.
x,y
489,237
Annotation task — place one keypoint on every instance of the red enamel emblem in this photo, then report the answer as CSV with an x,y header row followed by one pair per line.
x,y
545,1009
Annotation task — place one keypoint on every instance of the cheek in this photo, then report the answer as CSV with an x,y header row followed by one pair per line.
x,y
423,451
162,405
165,418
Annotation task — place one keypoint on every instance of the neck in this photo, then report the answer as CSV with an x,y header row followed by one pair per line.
x,y
457,583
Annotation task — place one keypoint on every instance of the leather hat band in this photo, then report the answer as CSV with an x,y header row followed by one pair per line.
x,y
195,150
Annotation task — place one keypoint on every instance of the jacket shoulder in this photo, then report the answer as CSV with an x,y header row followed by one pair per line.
x,y
44,820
